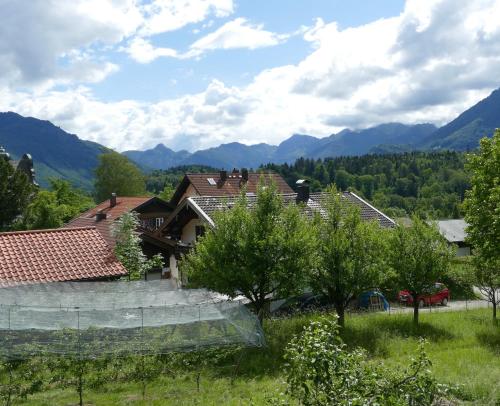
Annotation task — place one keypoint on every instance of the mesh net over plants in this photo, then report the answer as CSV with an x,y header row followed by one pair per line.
x,y
89,319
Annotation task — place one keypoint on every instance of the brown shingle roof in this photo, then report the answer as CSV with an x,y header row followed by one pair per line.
x,y
88,219
230,187
56,255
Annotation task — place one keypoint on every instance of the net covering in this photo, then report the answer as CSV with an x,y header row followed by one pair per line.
x,y
89,319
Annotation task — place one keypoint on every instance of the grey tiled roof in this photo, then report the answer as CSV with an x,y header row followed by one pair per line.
x,y
211,204
453,230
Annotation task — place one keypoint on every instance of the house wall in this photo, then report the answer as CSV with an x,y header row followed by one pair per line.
x,y
189,231
463,251
190,191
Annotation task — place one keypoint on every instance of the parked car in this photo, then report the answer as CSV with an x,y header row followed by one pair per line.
x,y
302,303
438,294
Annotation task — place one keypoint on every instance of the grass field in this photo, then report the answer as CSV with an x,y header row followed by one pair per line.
x,y
463,346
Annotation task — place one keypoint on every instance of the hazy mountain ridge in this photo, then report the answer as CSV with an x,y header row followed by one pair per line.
x,y
57,153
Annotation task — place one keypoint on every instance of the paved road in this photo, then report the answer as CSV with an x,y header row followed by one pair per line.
x,y
452,306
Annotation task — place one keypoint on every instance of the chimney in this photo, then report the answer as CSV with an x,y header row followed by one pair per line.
x,y
244,174
100,215
223,176
112,200
302,191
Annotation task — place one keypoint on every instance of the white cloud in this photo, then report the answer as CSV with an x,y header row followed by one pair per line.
x,y
238,33
170,15
142,51
426,65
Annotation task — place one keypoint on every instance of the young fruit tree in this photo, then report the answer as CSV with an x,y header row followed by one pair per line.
x,y
128,248
261,250
351,252
482,212
420,257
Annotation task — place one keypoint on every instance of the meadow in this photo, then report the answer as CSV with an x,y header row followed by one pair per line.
x,y
464,348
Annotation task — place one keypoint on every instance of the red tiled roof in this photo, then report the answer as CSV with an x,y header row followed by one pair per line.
x,y
56,255
88,219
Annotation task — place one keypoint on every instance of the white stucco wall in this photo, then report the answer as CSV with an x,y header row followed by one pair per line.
x,y
189,231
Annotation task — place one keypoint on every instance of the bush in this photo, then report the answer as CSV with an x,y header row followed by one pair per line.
x,y
320,372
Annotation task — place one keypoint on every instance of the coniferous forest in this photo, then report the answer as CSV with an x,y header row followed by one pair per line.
x,y
431,184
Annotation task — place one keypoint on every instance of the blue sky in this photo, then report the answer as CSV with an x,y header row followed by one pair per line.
x,y
172,78
193,74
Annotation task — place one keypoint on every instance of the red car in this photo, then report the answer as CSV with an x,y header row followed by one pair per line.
x,y
437,294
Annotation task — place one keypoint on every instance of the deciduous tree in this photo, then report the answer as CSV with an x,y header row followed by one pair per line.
x,y
116,174
260,251
420,257
351,252
482,206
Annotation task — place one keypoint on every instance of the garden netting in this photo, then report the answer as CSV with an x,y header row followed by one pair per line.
x,y
89,319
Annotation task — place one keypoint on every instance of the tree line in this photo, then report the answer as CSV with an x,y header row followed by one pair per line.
x,y
430,184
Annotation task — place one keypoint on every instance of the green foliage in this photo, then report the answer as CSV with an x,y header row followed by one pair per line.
x,y
167,193
16,192
116,174
128,247
18,379
255,252
420,257
482,205
351,253
429,184
52,208
321,371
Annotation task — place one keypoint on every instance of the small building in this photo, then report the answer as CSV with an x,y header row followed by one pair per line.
x,y
56,255
454,231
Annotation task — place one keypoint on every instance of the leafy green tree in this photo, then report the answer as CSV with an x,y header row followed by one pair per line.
x,y
128,248
52,208
420,257
167,192
259,251
322,372
351,253
482,207
16,192
116,174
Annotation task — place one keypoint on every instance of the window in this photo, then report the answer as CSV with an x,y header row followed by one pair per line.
x,y
199,230
212,181
158,221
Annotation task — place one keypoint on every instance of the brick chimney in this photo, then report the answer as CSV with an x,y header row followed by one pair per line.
x,y
302,191
112,200
100,215
244,174
222,175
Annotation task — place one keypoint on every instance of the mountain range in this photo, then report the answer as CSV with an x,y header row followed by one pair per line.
x,y
59,154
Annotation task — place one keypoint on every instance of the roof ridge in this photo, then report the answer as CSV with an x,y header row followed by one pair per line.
x,y
47,230
235,196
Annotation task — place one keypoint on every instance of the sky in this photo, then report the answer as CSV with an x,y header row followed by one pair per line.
x,y
193,74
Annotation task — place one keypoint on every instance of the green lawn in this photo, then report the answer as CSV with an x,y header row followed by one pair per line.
x,y
463,346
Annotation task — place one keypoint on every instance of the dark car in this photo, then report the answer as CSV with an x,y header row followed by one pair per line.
x,y
438,294
302,303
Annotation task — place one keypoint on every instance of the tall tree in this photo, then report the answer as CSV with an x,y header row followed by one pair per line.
x,y
351,253
116,174
52,208
16,192
259,251
420,257
482,207
128,248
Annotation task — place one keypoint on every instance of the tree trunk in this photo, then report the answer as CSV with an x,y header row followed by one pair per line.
x,y
339,308
416,305
495,321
